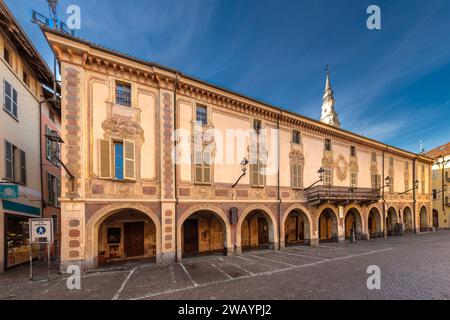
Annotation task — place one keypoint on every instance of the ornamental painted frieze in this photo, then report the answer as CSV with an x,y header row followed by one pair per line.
x,y
123,127
296,157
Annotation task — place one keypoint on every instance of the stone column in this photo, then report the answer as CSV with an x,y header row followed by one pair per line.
x,y
341,224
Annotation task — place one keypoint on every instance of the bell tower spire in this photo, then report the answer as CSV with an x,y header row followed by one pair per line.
x,y
329,115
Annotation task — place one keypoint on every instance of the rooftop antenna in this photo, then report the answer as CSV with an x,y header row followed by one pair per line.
x,y
422,150
52,7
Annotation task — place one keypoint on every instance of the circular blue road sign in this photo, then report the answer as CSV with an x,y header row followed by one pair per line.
x,y
41,230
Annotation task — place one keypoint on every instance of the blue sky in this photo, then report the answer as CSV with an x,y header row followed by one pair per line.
x,y
391,84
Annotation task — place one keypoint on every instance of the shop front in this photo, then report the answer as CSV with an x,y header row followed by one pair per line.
x,y
16,236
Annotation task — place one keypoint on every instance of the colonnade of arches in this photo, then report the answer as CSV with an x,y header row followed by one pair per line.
x,y
128,233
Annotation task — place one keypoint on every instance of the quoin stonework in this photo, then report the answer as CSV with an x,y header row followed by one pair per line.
x,y
133,199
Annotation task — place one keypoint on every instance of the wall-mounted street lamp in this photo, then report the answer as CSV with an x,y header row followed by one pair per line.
x,y
387,183
244,165
320,173
416,186
55,141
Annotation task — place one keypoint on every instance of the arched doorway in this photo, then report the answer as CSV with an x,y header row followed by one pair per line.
x,y
328,226
391,222
127,234
435,219
296,228
423,220
203,232
408,220
353,222
374,224
257,231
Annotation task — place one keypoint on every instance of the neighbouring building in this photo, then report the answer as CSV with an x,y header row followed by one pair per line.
x,y
441,185
154,179
51,167
23,73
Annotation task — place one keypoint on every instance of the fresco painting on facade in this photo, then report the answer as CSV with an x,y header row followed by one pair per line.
x,y
130,164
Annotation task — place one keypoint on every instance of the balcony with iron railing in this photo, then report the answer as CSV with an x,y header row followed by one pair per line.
x,y
341,195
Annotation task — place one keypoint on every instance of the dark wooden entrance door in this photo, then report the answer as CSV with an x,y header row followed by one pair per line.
x,y
435,219
134,239
263,231
191,236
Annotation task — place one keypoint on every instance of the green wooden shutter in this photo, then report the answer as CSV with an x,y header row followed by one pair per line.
x,y
23,167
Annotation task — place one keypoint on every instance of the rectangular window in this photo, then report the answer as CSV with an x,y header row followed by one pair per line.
x,y
123,94
7,56
202,115
296,176
328,177
15,164
258,174
406,184
10,99
391,162
353,151
374,156
51,189
353,179
434,194
202,166
118,161
327,145
296,137
257,126
375,181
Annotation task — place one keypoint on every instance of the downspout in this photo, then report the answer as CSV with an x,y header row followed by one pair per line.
x,y
40,157
414,196
278,181
384,199
442,188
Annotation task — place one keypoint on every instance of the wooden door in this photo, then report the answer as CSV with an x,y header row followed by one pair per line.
x,y
263,231
134,239
190,235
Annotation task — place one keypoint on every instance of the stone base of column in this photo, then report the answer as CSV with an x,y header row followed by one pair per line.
x,y
314,242
341,239
168,257
238,251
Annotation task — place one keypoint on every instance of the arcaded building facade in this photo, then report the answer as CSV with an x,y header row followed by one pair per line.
x,y
157,157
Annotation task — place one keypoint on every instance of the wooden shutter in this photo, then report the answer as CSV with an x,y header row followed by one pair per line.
x,y
14,102
129,160
58,192
294,174
105,159
9,168
23,167
49,189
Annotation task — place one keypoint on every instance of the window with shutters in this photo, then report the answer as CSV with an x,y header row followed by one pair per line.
x,y
10,99
391,185
258,174
53,190
202,164
296,137
406,184
52,149
353,179
375,181
353,151
296,176
327,177
15,164
117,160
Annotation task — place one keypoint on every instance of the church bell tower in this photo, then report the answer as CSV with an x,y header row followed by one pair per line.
x,y
329,115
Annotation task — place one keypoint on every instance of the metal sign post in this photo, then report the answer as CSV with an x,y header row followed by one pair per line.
x,y
41,232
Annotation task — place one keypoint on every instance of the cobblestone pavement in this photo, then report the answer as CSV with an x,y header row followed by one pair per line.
x,y
412,267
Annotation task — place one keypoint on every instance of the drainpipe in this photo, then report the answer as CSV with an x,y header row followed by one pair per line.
x,y
414,196
278,182
442,187
384,199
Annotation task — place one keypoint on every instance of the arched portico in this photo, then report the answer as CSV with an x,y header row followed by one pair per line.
x,y
408,220
256,228
374,223
391,222
133,214
353,222
424,226
296,226
203,229
328,226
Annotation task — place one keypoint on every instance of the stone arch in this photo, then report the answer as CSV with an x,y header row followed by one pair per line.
x,y
308,227
391,221
92,227
408,220
423,218
328,224
204,208
273,226
374,223
353,219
